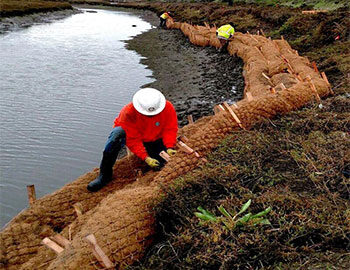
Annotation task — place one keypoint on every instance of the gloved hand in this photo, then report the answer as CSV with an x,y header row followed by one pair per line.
x,y
171,151
153,163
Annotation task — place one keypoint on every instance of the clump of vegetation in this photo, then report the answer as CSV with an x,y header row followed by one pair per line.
x,y
297,165
231,220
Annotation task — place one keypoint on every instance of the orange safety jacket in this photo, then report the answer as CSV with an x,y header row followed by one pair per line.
x,y
140,128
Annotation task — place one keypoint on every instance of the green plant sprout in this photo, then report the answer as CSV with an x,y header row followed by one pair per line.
x,y
231,221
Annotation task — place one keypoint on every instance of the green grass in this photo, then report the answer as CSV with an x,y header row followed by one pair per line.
x,y
308,4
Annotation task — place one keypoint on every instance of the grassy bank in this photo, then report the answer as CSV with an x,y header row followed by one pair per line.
x,y
20,7
298,164
308,4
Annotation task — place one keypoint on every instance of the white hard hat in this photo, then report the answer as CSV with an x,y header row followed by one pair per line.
x,y
149,101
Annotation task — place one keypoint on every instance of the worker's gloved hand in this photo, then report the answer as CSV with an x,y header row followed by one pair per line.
x,y
153,163
171,151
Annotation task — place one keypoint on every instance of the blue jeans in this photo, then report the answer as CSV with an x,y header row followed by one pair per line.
x,y
117,140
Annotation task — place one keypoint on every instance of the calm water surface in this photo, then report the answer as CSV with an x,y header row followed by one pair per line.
x,y
61,86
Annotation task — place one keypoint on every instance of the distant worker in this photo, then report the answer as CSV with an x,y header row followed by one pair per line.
x,y
147,126
225,34
163,18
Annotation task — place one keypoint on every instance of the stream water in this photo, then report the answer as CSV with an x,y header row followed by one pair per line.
x,y
61,86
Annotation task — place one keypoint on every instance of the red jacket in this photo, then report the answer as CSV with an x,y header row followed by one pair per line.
x,y
140,128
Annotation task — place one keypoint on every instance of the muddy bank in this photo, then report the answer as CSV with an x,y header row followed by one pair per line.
x,y
9,24
193,78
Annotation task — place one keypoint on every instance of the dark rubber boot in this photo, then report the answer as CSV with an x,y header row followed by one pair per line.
x,y
106,173
115,142
99,183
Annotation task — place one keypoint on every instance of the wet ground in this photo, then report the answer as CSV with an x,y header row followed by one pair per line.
x,y
9,24
193,78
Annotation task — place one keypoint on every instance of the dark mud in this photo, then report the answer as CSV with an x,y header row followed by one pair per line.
x,y
15,23
193,78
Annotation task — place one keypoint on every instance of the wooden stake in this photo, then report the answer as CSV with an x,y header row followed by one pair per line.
x,y
249,96
314,66
52,245
165,155
31,194
299,77
262,32
185,148
98,252
282,86
190,119
78,209
259,52
254,38
61,240
218,108
267,78
324,77
233,115
312,86
182,138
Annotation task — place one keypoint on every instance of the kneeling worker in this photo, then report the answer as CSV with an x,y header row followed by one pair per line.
x,y
224,34
163,18
146,126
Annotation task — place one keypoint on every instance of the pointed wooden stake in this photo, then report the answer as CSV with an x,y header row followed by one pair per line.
x,y
31,194
98,252
165,155
218,108
52,245
182,138
324,77
312,86
190,119
267,78
78,208
185,147
314,66
262,32
249,96
233,115
61,240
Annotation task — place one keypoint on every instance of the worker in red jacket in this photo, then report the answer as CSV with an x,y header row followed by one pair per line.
x,y
146,126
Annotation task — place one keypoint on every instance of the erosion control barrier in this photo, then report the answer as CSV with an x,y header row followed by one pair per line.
x,y
119,218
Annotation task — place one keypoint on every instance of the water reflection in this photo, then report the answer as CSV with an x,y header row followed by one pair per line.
x,y
61,85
